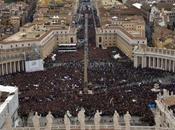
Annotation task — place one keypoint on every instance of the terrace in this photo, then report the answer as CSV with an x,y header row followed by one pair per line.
x,y
28,33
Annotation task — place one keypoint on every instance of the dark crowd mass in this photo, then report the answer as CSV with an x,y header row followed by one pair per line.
x,y
115,84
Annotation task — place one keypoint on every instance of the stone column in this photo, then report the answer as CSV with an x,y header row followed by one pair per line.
x,y
153,62
143,61
158,62
10,68
6,68
23,66
165,64
2,69
173,66
135,61
149,62
14,67
18,67
162,64
169,65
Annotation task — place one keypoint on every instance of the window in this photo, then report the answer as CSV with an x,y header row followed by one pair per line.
x,y
71,40
100,39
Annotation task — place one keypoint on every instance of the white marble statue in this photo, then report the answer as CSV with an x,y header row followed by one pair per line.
x,y
81,118
97,119
116,121
67,121
36,121
127,119
49,118
157,120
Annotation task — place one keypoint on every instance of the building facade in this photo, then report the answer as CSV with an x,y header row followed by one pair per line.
x,y
122,31
32,38
118,37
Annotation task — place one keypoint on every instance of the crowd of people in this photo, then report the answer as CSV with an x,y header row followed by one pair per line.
x,y
116,85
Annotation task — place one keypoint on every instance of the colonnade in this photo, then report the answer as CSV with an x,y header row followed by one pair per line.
x,y
155,62
12,67
157,58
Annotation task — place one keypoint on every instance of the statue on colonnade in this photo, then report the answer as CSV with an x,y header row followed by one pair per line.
x,y
116,121
67,121
81,118
127,119
49,118
97,119
36,121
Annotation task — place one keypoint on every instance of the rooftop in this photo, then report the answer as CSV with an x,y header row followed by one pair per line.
x,y
32,32
63,10
121,16
165,37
